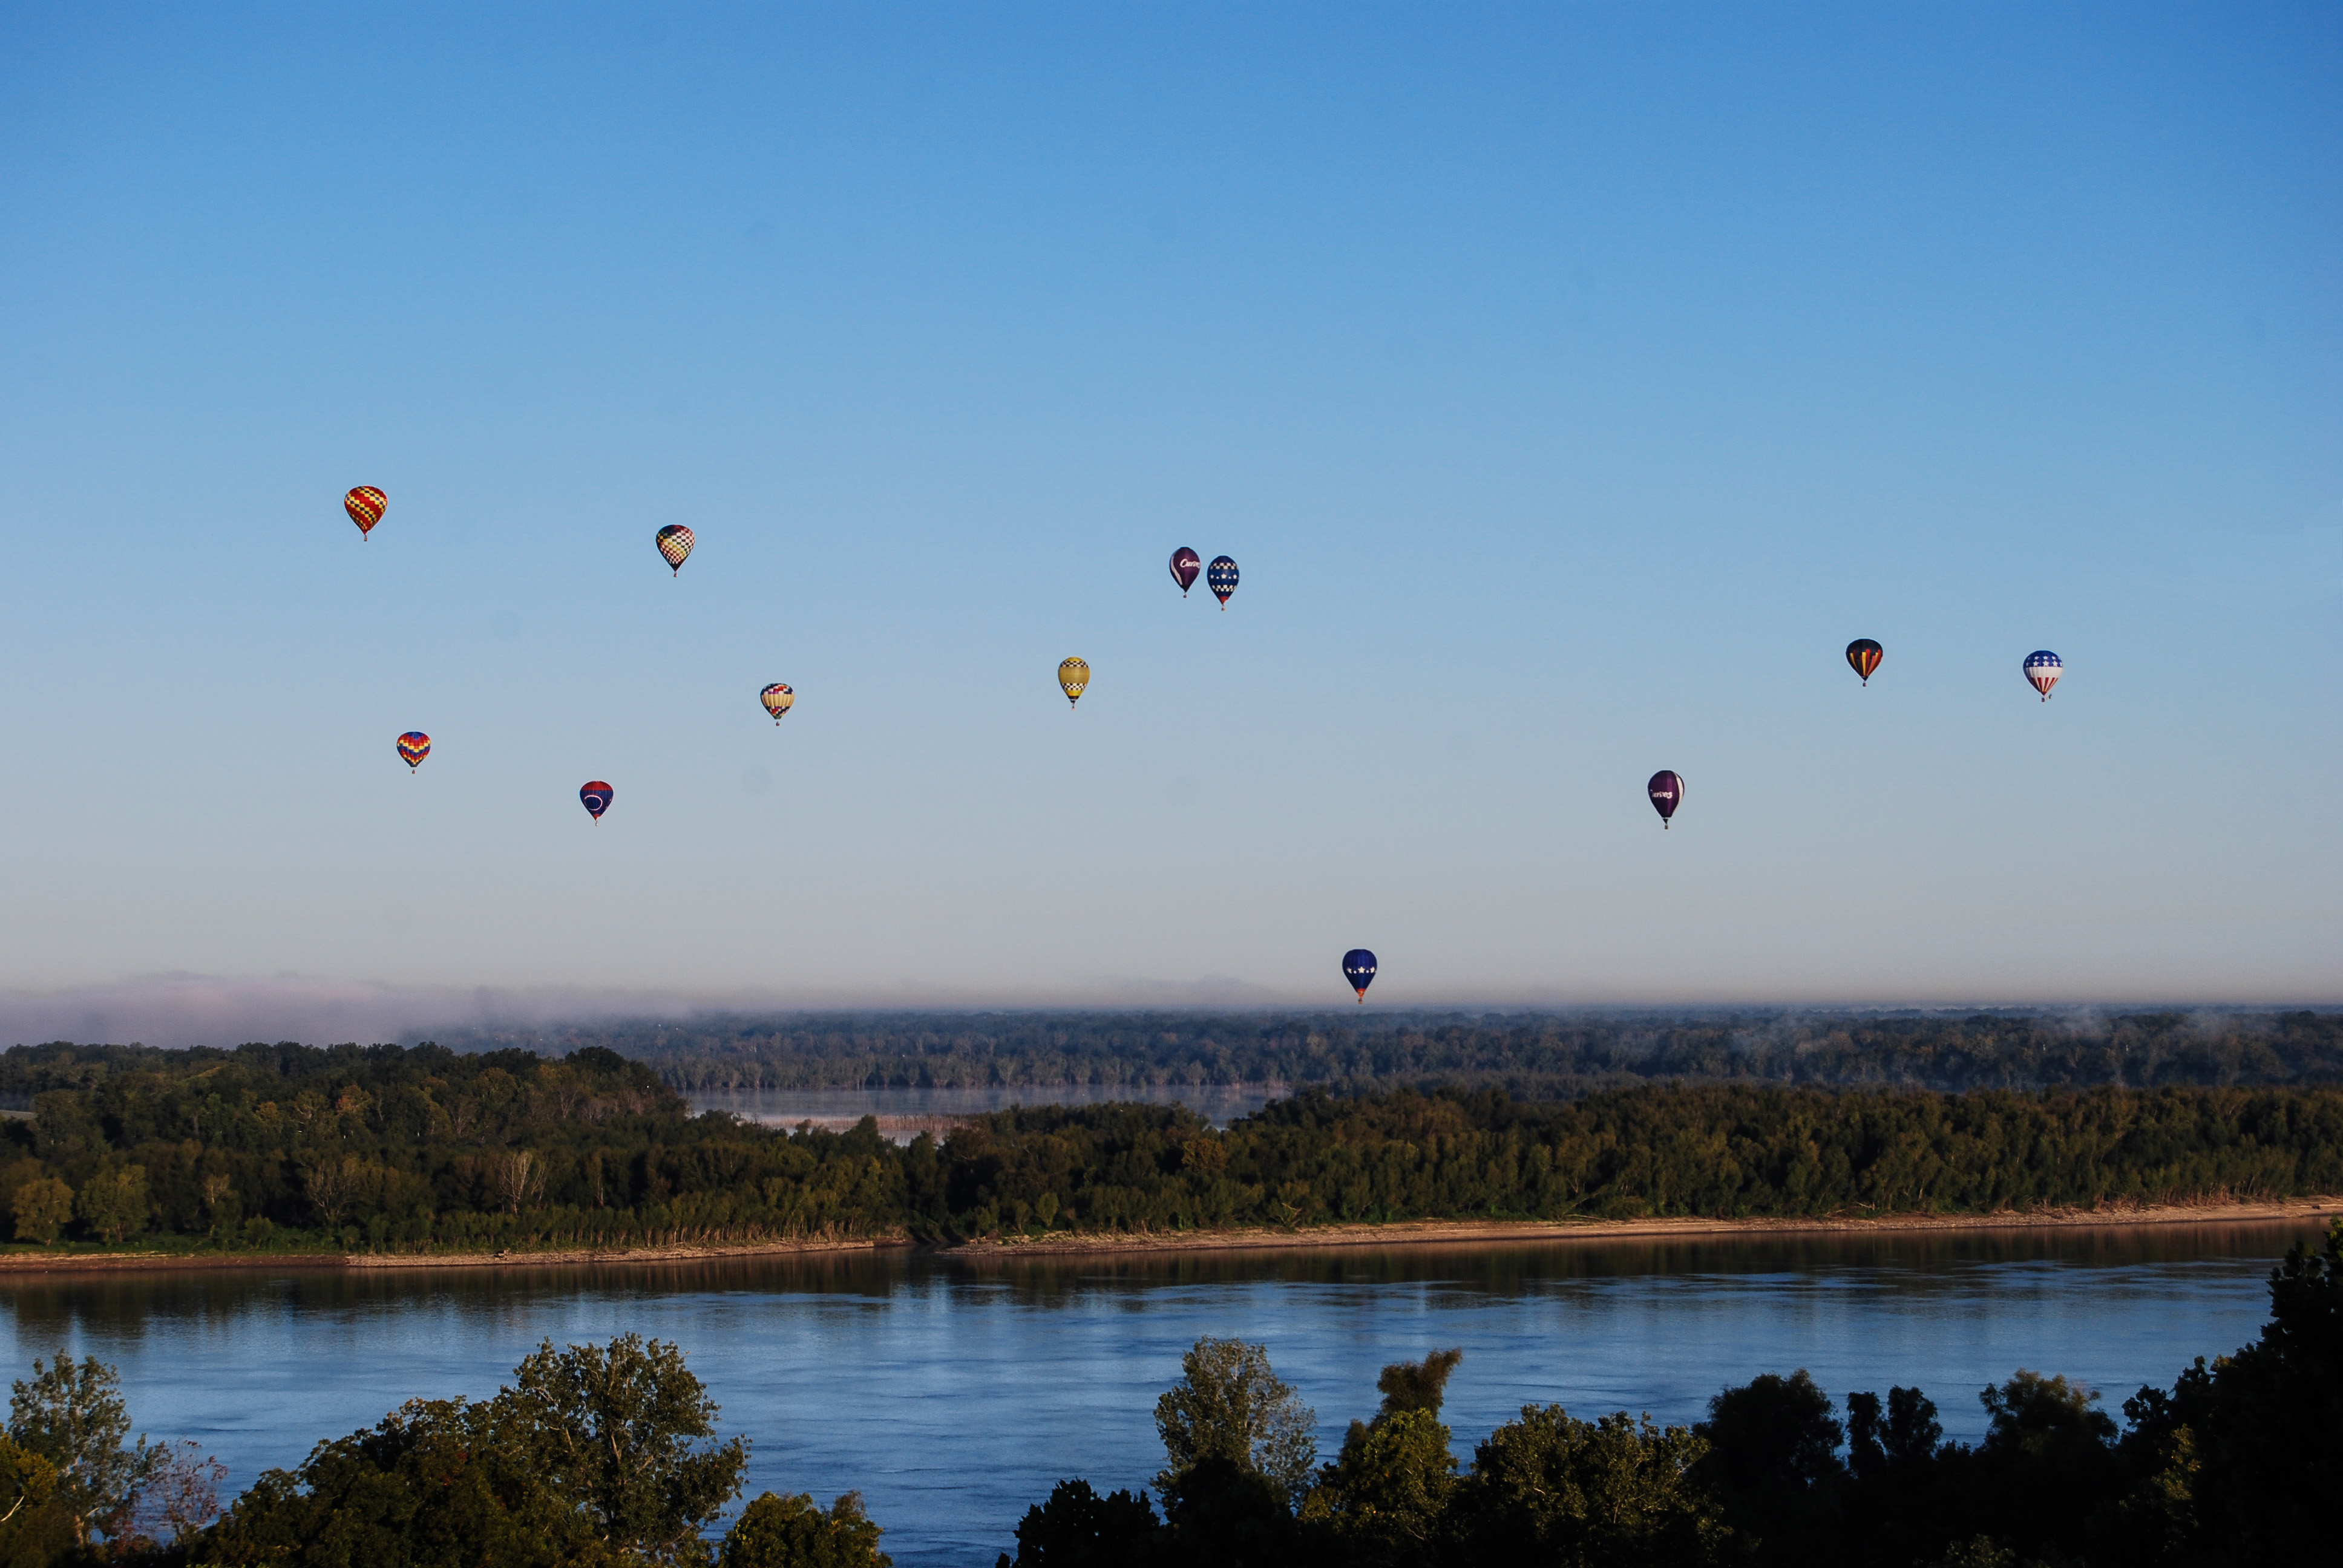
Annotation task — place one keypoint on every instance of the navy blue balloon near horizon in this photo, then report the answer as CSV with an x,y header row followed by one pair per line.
x,y
1358,968
1220,577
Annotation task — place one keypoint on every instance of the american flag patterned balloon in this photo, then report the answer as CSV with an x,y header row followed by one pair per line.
x,y
413,748
365,506
2043,668
1220,577
675,542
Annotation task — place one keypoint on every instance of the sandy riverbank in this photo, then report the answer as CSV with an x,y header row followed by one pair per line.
x,y
1405,1233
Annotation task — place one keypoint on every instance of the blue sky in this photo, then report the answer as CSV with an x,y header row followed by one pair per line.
x,y
1572,384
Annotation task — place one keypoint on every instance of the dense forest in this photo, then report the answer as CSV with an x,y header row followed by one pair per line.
x,y
604,1456
1538,1055
380,1149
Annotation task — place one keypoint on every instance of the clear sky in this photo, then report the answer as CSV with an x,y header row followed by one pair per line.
x,y
1572,384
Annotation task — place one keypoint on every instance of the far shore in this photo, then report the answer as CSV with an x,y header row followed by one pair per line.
x,y
1245,1238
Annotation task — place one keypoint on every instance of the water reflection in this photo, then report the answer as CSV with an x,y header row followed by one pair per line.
x,y
954,1392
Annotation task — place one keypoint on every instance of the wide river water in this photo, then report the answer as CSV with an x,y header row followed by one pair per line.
x,y
953,1393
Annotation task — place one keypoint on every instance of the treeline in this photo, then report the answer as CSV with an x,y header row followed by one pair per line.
x,y
1542,1055
609,1456
385,1150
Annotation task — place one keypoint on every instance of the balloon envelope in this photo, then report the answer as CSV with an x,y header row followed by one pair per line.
x,y
365,506
414,747
675,542
1220,577
1358,968
1185,564
777,699
1865,655
1072,676
1666,789
597,796
2043,668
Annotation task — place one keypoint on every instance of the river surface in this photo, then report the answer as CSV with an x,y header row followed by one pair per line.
x,y
954,1393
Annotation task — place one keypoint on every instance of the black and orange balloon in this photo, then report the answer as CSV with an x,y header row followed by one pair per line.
x,y
365,506
1865,655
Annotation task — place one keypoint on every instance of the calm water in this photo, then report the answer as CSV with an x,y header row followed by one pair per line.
x,y
954,1394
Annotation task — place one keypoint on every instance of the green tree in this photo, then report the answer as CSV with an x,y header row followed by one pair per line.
x,y
777,1532
1228,1405
2236,1462
1077,1528
34,1531
619,1430
1607,1493
439,1483
74,1418
1382,1502
113,1203
43,1206
1772,1462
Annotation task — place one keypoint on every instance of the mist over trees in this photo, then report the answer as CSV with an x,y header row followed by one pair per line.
x,y
384,1149
1538,1055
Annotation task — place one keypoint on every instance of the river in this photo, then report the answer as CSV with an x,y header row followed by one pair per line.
x,y
953,1393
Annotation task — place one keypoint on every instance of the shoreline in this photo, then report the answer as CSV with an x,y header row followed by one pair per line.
x,y
1246,1239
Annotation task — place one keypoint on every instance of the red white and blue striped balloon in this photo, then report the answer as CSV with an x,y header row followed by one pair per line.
x,y
2043,668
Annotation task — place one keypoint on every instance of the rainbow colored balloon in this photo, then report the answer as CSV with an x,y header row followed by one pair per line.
x,y
413,748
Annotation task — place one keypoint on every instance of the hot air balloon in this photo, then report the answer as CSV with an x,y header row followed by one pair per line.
x,y
414,746
1185,564
1358,968
1072,676
1666,789
2043,668
365,506
597,796
1865,655
777,699
675,542
1220,577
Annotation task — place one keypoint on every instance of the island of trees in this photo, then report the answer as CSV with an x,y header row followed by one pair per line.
x,y
385,1150
609,1455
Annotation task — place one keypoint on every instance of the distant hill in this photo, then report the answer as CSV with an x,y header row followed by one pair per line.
x,y
1529,1054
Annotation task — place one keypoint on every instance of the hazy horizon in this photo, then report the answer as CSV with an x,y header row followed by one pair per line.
x,y
179,1010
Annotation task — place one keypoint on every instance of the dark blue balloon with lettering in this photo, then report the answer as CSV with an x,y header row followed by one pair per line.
x,y
1358,968
1220,577
1666,789
597,796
